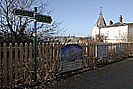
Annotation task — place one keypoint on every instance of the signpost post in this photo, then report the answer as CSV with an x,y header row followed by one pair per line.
x,y
37,18
35,23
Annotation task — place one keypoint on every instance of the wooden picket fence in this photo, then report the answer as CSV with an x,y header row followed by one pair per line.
x,y
16,60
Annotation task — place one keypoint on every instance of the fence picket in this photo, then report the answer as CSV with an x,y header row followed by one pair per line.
x,y
54,56
51,48
57,57
5,64
26,61
21,61
48,59
39,56
16,61
31,60
43,59
11,62
0,67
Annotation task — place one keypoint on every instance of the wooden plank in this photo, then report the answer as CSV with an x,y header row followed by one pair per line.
x,y
54,56
16,61
0,66
5,64
58,57
11,62
21,61
86,48
83,53
47,57
50,56
39,53
43,59
31,59
88,54
26,60
91,54
94,55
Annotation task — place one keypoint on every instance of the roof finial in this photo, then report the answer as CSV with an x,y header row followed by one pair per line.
x,y
100,10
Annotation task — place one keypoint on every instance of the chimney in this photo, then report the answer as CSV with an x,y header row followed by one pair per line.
x,y
110,22
120,18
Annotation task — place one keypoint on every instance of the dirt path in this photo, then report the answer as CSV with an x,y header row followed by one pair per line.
x,y
113,76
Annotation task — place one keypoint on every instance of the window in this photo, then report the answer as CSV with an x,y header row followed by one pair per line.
x,y
107,33
119,33
95,32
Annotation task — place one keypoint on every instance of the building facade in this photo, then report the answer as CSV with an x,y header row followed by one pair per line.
x,y
114,32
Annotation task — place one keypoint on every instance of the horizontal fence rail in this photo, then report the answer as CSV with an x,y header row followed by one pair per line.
x,y
16,60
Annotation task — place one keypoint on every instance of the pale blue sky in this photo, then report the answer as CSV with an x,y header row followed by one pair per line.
x,y
79,16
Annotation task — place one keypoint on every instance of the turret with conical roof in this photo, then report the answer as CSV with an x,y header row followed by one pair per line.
x,y
100,22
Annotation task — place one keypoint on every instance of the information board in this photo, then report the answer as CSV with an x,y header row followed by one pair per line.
x,y
117,50
101,50
71,57
122,48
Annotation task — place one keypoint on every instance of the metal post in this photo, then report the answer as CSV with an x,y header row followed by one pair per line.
x,y
35,25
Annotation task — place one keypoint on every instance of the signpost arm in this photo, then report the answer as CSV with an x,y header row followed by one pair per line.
x,y
35,25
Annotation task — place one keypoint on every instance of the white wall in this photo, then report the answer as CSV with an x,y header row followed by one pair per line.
x,y
115,33
95,31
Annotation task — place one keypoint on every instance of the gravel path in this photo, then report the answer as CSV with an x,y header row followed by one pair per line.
x,y
113,76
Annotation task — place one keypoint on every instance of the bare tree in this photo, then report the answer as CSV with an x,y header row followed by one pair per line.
x,y
101,38
127,37
19,28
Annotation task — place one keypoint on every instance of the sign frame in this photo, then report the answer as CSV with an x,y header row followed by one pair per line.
x,y
101,50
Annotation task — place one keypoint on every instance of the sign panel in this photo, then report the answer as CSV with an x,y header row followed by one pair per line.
x,y
71,57
23,12
43,18
101,50
39,18
117,50
122,48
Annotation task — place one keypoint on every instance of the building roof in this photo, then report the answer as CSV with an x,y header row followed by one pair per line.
x,y
119,24
129,23
100,22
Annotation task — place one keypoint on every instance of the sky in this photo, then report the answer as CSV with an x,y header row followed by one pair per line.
x,y
80,16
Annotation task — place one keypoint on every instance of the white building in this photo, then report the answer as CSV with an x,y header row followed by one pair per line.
x,y
114,32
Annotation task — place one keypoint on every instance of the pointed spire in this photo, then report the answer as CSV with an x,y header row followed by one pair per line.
x,y
100,10
100,22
